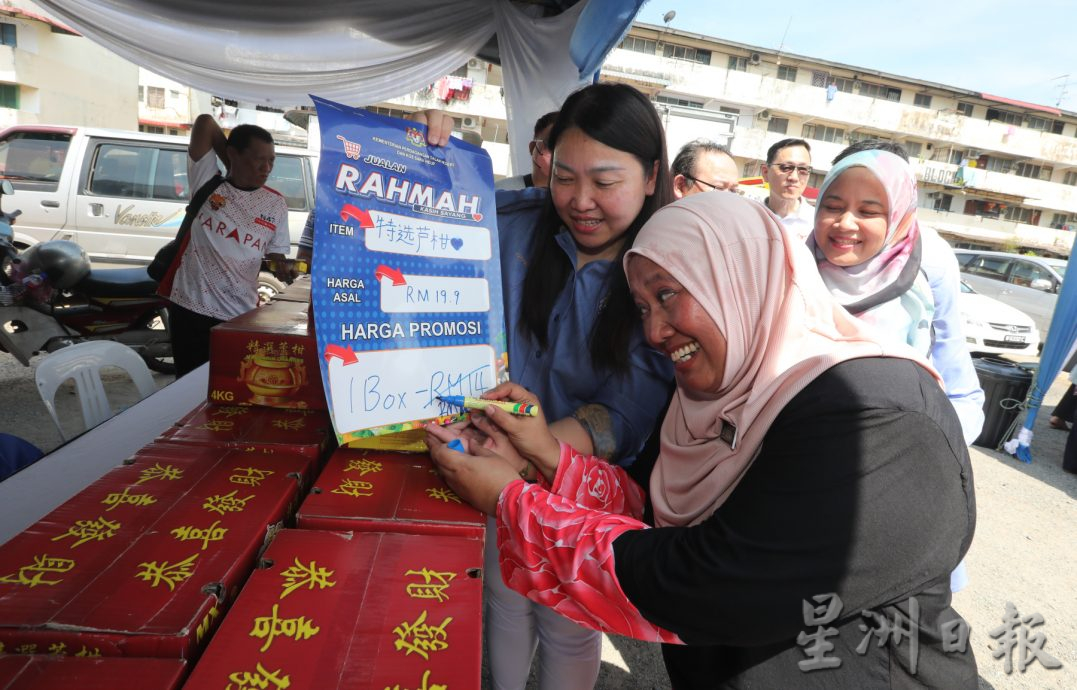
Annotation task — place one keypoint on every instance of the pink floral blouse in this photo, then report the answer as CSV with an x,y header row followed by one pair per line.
x,y
556,543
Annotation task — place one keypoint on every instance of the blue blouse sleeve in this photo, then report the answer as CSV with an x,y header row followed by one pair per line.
x,y
949,354
637,400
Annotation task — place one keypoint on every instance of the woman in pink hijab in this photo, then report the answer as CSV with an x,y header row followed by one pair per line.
x,y
812,491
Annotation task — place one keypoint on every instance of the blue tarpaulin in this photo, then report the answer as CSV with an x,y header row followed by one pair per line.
x,y
1060,340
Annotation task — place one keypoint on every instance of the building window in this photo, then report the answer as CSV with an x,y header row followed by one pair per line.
x,y
964,109
844,85
1020,214
155,97
9,96
141,94
674,100
997,164
821,79
1060,221
151,129
816,180
738,64
676,52
1056,126
1038,123
1070,178
731,111
823,133
1004,116
639,45
1036,172
778,125
943,202
922,100
888,93
913,148
7,34
787,73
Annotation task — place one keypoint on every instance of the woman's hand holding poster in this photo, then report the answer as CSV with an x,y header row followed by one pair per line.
x,y
406,278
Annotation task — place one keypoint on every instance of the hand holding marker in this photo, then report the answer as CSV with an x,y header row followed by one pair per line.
x,y
522,409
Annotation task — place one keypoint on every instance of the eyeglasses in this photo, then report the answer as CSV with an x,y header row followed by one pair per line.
x,y
802,170
539,147
723,187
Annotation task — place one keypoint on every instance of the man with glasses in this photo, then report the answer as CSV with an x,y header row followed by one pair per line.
x,y
704,166
540,158
786,171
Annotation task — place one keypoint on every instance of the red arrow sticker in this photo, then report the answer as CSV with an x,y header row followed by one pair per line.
x,y
356,214
383,271
345,354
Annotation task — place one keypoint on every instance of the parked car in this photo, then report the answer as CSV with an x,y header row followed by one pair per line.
x,y
991,327
1029,284
121,195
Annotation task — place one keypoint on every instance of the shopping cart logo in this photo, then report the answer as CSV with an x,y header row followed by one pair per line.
x,y
351,148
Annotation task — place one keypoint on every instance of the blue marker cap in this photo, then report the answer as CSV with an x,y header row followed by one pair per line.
x,y
457,445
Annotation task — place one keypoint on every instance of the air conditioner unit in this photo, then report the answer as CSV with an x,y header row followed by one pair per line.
x,y
973,153
754,58
472,123
763,114
473,63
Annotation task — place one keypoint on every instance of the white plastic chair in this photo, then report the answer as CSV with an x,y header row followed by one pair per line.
x,y
82,362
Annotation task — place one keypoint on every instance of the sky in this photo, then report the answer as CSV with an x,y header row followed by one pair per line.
x,y
1003,47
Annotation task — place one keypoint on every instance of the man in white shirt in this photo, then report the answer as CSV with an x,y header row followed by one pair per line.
x,y
241,223
787,170
702,166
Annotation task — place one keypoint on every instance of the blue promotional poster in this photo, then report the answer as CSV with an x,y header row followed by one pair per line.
x,y
406,277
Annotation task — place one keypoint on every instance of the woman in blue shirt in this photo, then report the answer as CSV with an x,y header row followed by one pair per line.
x,y
575,336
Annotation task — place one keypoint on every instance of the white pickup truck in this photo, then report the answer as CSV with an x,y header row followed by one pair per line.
x,y
120,195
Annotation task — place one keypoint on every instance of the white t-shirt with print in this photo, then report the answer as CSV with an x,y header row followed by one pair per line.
x,y
233,231
801,222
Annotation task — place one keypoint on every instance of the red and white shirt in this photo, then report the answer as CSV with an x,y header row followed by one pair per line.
x,y
232,232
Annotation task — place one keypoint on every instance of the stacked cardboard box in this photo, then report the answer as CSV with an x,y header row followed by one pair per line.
x,y
267,357
144,561
354,610
37,672
368,491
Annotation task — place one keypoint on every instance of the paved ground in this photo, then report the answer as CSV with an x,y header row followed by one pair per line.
x,y
1023,552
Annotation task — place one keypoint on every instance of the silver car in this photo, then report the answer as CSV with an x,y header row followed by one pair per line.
x,y
1027,283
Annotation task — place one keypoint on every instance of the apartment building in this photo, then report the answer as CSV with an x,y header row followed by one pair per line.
x,y
994,172
49,74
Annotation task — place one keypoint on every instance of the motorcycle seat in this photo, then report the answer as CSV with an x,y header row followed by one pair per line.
x,y
118,282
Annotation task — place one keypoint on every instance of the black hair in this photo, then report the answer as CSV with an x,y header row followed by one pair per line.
x,y
544,122
622,118
240,137
784,144
873,145
684,163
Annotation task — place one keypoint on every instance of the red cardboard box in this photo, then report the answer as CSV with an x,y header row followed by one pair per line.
x,y
39,672
49,562
370,491
353,610
159,589
277,432
266,357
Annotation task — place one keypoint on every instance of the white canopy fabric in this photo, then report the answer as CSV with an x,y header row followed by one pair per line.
x,y
358,52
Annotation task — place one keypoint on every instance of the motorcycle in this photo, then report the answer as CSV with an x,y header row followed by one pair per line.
x,y
50,298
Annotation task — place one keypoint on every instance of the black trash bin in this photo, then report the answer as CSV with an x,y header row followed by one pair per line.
x,y
1005,385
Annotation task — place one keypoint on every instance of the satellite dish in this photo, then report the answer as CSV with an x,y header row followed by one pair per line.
x,y
668,16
